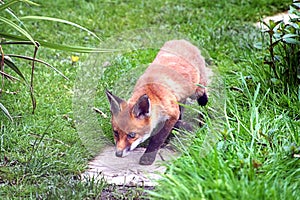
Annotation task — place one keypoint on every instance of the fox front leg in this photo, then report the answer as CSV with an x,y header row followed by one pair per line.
x,y
155,143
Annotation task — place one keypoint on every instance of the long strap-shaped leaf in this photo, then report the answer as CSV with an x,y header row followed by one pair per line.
x,y
5,111
14,68
60,21
8,76
6,5
37,60
18,28
78,49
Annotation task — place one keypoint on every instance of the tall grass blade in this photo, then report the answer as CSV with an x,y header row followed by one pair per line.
x,y
60,21
9,76
17,28
39,61
16,17
6,5
14,68
16,42
61,47
5,111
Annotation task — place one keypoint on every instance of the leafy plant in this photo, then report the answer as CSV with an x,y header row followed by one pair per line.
x,y
283,49
25,38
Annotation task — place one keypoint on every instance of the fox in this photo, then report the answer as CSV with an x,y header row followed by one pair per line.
x,y
178,72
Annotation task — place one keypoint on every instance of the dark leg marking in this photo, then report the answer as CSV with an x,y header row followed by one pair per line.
x,y
202,100
155,143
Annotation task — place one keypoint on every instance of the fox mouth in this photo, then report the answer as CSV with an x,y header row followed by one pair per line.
x,y
123,152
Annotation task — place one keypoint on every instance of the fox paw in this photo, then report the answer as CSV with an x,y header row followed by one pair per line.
x,y
147,158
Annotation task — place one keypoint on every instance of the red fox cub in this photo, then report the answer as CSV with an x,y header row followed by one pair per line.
x,y
177,72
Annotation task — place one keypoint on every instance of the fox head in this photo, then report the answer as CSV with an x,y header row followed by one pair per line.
x,y
131,123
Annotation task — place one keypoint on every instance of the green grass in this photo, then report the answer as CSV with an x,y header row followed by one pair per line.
x,y
253,160
42,154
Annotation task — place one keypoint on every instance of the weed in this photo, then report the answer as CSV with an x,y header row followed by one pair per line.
x,y
283,50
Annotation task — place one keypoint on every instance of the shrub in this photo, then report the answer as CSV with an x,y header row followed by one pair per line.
x,y
283,50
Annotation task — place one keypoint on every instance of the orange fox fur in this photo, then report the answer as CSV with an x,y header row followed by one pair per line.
x,y
153,109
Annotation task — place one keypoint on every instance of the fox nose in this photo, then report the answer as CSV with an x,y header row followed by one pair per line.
x,y
119,153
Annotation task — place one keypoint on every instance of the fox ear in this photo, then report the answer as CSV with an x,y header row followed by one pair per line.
x,y
114,102
142,108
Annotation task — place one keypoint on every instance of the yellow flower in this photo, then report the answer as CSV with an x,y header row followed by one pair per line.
x,y
74,58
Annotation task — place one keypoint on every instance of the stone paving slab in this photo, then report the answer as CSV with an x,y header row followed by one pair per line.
x,y
284,16
127,171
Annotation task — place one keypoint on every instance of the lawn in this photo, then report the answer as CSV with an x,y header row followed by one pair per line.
x,y
256,153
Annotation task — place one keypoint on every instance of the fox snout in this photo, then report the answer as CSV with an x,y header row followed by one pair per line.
x,y
122,152
119,153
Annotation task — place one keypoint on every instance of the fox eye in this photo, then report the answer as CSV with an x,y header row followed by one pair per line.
x,y
131,135
116,134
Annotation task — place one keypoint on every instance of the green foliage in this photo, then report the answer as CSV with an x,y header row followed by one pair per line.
x,y
256,157
283,47
16,23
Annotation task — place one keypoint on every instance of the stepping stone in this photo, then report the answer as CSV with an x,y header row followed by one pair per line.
x,y
284,16
127,171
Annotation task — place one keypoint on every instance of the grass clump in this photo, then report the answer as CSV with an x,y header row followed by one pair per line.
x,y
254,159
